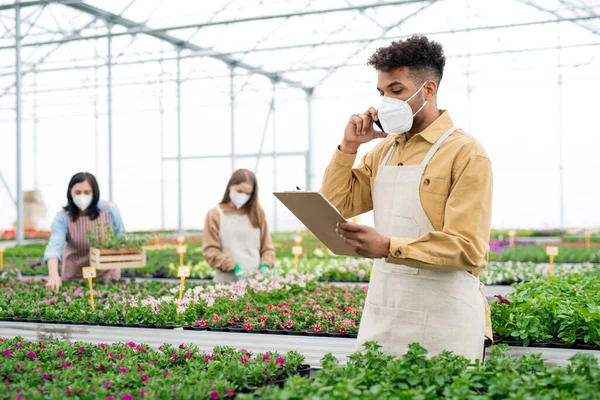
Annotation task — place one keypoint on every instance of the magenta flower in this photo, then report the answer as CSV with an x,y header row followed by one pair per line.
x,y
101,368
107,385
229,393
81,349
68,364
79,391
188,355
181,346
110,398
31,354
140,369
69,390
20,367
244,360
111,355
102,346
144,378
46,376
6,353
131,344
143,393
19,398
120,357
40,390
19,345
502,299
207,358
79,358
127,397
279,361
214,395
174,357
61,353
123,370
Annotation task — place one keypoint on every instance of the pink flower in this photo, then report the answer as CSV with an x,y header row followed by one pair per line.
x,y
502,299
69,390
19,398
214,395
110,398
143,393
263,318
174,357
202,323
230,320
229,393
61,353
216,318
31,354
6,353
140,369
19,345
122,370
79,358
102,346
40,390
120,357
107,385
266,357
101,368
289,325
20,367
208,358
144,378
188,355
244,360
317,328
248,327
127,397
110,355
68,364
131,344
279,361
46,376
181,346
81,349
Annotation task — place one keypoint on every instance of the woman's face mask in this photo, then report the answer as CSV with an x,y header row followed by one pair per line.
x,y
239,199
395,115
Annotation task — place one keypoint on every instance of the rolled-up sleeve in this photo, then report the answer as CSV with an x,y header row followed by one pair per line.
x,y
58,237
115,218
462,244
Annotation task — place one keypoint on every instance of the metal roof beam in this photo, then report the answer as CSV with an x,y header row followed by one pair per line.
x,y
177,42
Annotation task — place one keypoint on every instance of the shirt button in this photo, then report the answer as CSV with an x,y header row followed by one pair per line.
x,y
427,182
398,253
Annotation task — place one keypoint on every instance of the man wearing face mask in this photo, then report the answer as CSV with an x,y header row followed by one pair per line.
x,y
429,184
236,241
83,212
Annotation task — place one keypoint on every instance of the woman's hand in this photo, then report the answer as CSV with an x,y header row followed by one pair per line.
x,y
54,282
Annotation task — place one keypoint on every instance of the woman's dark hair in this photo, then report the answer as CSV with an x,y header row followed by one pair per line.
x,y
252,208
71,208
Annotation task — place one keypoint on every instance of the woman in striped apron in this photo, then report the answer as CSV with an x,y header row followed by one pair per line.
x,y
83,212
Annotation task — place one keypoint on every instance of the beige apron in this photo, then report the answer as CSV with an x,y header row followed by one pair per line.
x,y
440,310
241,242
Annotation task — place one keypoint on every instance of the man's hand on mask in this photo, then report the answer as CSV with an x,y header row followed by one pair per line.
x,y
360,130
365,240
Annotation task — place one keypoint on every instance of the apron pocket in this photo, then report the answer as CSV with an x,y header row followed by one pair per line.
x,y
393,328
397,269
404,226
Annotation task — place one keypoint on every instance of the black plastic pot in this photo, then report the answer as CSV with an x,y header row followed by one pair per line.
x,y
197,328
6,319
341,335
279,382
131,325
540,344
19,319
514,343
586,346
36,320
217,329
304,370
113,324
146,326
236,330
258,331
276,332
558,345
163,326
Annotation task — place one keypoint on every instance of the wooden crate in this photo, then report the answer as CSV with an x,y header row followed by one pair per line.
x,y
117,259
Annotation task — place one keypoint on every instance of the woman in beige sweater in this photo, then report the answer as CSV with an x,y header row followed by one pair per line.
x,y
237,242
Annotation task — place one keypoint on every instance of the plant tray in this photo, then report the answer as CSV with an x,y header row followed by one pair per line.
x,y
117,259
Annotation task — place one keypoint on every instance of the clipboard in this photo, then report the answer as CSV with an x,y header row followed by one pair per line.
x,y
320,217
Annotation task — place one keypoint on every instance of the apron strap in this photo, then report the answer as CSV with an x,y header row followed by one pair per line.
x,y
388,155
434,148
220,211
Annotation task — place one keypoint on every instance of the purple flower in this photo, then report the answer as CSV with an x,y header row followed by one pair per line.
x,y
101,368
110,398
279,361
502,299
19,345
120,357
61,353
46,376
181,346
127,397
143,393
131,344
214,395
31,354
229,393
69,390
102,346
207,358
188,355
144,378
122,370
111,355
81,349
68,364
6,353
174,357
244,360
107,385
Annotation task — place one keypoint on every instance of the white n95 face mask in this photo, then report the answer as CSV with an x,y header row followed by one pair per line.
x,y
83,201
395,115
239,199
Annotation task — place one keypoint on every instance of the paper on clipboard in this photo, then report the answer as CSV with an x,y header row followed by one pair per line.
x,y
319,216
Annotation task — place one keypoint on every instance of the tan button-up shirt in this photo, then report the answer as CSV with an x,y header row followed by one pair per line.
x,y
211,243
455,192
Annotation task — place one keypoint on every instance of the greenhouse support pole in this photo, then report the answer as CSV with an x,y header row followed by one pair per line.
x,y
162,144
18,83
309,153
232,114
274,124
179,190
36,182
110,144
560,133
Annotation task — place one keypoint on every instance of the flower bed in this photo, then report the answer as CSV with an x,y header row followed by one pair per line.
x,y
551,312
61,370
510,272
278,305
374,375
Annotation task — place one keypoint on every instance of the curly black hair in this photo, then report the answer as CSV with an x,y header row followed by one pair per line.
x,y
424,58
